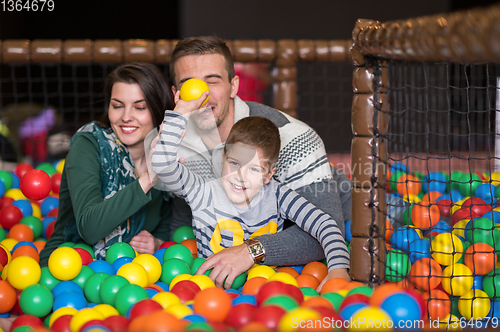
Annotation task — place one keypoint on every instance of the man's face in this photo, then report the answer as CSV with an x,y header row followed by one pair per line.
x,y
210,68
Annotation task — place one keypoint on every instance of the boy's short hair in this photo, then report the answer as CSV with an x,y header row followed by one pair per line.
x,y
259,132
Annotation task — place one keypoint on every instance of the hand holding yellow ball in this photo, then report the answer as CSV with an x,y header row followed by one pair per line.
x,y
193,89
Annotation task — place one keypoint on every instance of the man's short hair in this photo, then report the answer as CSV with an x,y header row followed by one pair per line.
x,y
259,132
201,46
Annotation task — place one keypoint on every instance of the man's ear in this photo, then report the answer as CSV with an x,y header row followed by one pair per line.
x,y
174,90
269,176
235,85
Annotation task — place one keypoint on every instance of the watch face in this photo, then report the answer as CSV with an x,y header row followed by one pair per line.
x,y
256,249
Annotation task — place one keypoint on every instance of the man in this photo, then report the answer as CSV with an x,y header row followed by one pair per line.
x,y
303,164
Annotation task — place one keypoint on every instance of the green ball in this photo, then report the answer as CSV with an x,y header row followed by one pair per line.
x,y
308,291
84,275
238,281
397,266
183,233
393,180
23,328
118,250
6,178
196,264
200,326
334,298
67,244
47,320
171,268
3,235
455,178
86,247
468,184
491,283
284,301
407,216
34,223
454,306
36,300
110,287
127,296
47,279
484,230
180,252
419,175
365,290
93,285
47,168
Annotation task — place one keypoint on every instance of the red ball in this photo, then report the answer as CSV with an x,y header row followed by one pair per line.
x,y
9,216
117,323
16,310
213,303
6,201
85,255
167,244
56,182
269,315
295,292
49,230
354,298
144,307
189,284
183,293
61,324
240,315
36,184
26,320
464,213
21,169
53,213
478,205
4,256
271,288
444,206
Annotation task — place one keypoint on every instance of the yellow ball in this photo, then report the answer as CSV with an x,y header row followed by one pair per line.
x,y
5,272
61,312
15,194
284,278
166,299
450,323
152,266
411,198
474,304
83,316
36,211
178,278
106,310
446,248
460,227
260,271
60,165
65,263
202,281
193,89
418,230
457,279
300,319
179,310
371,319
8,243
7,251
135,273
23,271
343,292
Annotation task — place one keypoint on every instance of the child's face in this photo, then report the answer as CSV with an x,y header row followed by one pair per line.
x,y
244,172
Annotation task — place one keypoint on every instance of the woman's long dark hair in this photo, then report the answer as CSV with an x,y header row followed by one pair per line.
x,y
154,86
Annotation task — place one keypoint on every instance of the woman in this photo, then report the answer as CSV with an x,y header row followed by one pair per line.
x,y
106,194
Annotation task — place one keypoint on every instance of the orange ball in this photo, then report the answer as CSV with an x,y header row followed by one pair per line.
x,y
253,327
424,216
480,258
389,229
214,303
382,292
191,245
253,285
333,285
409,184
430,197
27,251
40,245
352,285
139,324
290,270
8,296
425,274
307,280
21,232
317,301
438,304
317,269
164,321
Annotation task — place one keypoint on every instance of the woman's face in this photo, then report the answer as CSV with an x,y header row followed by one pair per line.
x,y
129,114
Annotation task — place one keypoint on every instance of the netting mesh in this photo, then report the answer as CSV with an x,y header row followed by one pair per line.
x,y
442,236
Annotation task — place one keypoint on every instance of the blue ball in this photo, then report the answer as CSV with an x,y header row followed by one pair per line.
x,y
25,206
298,268
441,227
119,262
246,298
15,181
434,181
402,308
194,318
478,283
402,237
66,285
419,248
45,223
493,216
347,312
159,254
22,243
48,204
399,167
162,285
151,292
495,309
348,234
444,196
487,192
102,266
70,298
456,195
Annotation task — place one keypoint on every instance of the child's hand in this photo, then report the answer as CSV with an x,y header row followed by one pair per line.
x,y
187,108
337,273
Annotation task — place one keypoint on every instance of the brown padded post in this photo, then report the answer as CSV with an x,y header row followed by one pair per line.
x,y
108,51
139,50
77,50
245,50
164,49
16,50
306,50
267,50
46,50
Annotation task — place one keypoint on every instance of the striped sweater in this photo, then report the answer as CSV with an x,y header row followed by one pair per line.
x,y
218,223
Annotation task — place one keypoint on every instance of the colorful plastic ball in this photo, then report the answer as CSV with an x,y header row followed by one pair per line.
x,y
166,299
183,233
8,296
9,216
119,249
317,269
402,308
143,307
65,263
22,168
47,168
468,184
438,304
6,178
434,181
127,296
285,278
83,316
56,182
202,281
194,89
477,205
425,274
64,286
84,254
109,288
487,192
260,271
27,251
397,265
424,216
306,280
35,224
252,286
93,285
457,279
135,273
474,304
66,311
408,184
100,265
49,204
25,206
26,322
151,265
491,284
178,251
484,230
213,303
420,248
172,268
23,272
480,258
36,184
70,298
240,315
402,237
446,248
120,262
21,232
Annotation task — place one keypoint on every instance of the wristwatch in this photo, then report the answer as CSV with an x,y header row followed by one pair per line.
x,y
256,249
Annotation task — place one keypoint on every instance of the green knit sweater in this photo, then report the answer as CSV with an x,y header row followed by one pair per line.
x,y
80,200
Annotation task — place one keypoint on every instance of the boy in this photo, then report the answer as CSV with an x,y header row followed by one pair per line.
x,y
245,202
